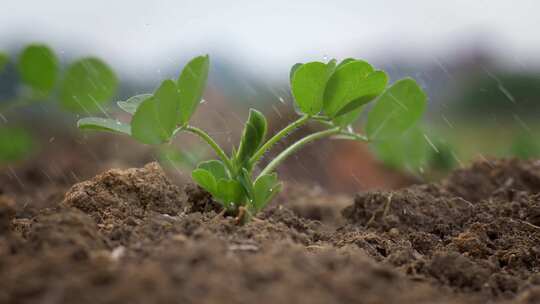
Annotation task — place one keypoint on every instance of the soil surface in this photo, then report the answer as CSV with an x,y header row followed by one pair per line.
x,y
133,236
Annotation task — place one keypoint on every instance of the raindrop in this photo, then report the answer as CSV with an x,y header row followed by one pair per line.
x,y
506,93
447,122
281,100
203,101
431,143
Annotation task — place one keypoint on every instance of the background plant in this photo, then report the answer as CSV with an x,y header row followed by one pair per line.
x,y
416,151
85,86
330,94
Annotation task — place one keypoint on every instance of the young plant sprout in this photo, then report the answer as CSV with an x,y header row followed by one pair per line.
x,y
330,94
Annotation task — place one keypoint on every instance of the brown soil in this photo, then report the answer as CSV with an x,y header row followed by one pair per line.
x,y
132,236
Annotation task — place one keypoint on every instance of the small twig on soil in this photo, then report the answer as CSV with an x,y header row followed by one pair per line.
x,y
385,210
220,214
387,205
256,219
529,224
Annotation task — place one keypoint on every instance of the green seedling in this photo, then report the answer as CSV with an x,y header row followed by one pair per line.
x,y
330,94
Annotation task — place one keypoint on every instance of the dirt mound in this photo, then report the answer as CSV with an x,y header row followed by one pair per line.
x,y
485,241
131,236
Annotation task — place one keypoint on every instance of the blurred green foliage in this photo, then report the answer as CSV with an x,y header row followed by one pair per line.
x,y
3,61
38,68
525,146
518,94
15,144
416,152
88,84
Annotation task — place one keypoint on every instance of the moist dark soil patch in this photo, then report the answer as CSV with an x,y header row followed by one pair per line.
x,y
132,236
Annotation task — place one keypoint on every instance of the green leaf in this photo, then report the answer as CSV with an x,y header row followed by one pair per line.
x,y
38,67
89,83
245,179
229,192
104,124
407,152
349,117
353,81
396,110
191,84
265,188
308,86
253,135
226,191
131,105
3,61
345,61
215,167
293,70
205,179
15,144
332,65
372,86
155,119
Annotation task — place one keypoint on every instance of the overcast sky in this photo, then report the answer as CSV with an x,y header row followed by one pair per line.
x,y
138,36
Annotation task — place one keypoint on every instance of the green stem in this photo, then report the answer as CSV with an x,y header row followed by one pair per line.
x,y
284,132
204,136
297,145
353,136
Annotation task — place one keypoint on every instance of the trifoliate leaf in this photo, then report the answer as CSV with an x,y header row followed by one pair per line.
x,y
396,110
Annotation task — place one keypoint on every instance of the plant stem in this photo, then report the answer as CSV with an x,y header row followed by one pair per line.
x,y
204,136
353,136
297,145
284,132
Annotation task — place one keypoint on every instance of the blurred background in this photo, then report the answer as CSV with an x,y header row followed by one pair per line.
x,y
478,61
